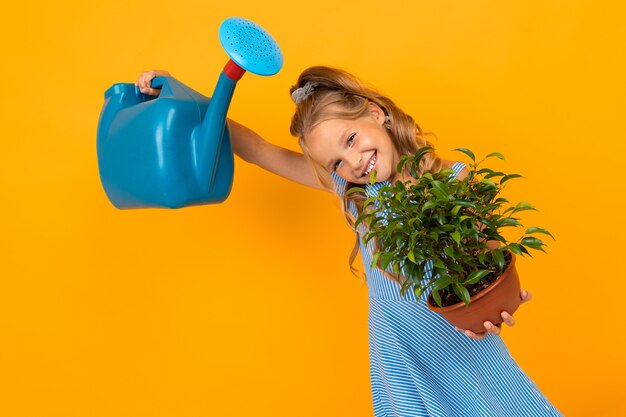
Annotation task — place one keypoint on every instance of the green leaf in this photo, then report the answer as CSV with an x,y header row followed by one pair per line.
x,y
515,248
494,174
533,242
373,176
422,151
490,183
417,158
476,276
456,236
507,221
368,201
386,259
418,290
449,251
465,203
411,256
436,297
355,190
538,230
403,161
441,187
429,204
508,177
375,259
498,257
442,282
467,152
455,210
361,218
496,154
523,204
438,263
462,293
487,221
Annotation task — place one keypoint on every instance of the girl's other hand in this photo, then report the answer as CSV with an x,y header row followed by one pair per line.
x,y
489,326
144,80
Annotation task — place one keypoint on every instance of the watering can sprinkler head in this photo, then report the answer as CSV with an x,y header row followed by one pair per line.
x,y
174,150
250,48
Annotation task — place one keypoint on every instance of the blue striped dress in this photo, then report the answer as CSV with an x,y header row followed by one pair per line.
x,y
421,366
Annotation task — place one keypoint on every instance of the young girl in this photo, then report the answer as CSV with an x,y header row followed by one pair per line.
x,y
419,364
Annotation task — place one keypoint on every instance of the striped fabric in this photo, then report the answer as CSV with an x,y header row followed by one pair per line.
x,y
421,366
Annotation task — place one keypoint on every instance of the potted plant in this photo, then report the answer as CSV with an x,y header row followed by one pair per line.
x,y
444,235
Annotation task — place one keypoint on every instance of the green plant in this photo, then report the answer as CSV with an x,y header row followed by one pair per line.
x,y
441,223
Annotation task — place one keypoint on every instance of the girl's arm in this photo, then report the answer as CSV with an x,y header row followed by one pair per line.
x,y
288,164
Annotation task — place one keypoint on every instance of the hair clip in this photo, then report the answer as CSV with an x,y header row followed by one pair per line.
x,y
302,93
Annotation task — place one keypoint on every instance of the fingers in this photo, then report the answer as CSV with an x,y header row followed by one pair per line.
x,y
471,334
525,296
144,80
495,329
150,91
508,319
492,328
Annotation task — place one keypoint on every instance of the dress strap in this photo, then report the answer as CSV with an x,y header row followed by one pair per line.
x,y
457,167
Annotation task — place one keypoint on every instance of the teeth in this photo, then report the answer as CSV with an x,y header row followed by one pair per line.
x,y
371,165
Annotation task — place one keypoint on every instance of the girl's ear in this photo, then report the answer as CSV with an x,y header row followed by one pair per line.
x,y
377,113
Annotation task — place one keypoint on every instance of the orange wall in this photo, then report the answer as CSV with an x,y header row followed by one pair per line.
x,y
248,307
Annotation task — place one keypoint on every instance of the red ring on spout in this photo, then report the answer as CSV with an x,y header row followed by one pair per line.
x,y
233,71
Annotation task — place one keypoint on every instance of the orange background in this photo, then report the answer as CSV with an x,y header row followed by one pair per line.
x,y
248,307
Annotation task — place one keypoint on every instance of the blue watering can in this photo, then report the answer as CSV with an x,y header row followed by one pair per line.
x,y
174,150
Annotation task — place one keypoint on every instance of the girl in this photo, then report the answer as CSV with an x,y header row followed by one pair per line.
x,y
419,364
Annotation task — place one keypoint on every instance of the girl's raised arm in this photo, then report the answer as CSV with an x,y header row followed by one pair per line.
x,y
281,161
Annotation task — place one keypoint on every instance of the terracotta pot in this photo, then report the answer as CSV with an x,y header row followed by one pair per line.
x,y
502,295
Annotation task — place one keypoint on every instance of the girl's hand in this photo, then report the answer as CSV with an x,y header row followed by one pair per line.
x,y
143,82
495,330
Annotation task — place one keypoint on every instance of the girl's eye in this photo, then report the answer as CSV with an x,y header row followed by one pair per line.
x,y
350,140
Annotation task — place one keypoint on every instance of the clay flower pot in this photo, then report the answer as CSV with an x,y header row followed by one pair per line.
x,y
502,295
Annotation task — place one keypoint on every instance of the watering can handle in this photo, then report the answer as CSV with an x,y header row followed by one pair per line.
x,y
162,83
157,82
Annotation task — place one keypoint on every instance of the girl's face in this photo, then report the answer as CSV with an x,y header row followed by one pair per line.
x,y
353,148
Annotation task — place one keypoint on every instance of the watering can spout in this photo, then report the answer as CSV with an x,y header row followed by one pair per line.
x,y
209,138
250,48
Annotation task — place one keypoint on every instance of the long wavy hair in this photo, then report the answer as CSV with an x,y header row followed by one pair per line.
x,y
339,94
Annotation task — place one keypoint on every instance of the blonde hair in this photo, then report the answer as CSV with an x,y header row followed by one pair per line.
x,y
339,94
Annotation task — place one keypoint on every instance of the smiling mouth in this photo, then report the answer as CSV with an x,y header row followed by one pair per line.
x,y
370,165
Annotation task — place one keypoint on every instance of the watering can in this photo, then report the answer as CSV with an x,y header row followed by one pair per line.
x,y
174,150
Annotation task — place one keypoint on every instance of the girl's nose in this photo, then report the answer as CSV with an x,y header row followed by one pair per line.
x,y
357,164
